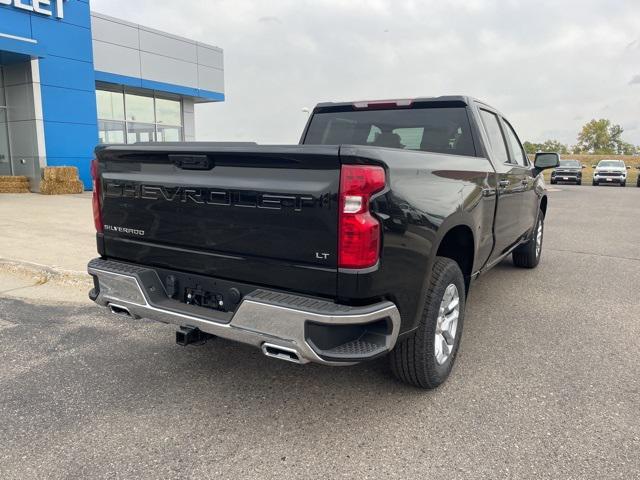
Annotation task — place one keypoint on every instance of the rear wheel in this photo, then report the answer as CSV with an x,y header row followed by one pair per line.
x,y
528,255
425,358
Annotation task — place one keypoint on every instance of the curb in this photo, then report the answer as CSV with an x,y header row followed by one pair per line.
x,y
43,274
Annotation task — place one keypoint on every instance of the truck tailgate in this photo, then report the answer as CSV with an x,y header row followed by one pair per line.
x,y
265,215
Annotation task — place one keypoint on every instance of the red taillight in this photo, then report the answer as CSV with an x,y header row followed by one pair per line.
x,y
359,231
97,215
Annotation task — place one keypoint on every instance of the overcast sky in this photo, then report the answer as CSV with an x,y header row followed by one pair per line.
x,y
549,65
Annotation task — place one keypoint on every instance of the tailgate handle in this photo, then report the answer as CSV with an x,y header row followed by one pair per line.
x,y
192,162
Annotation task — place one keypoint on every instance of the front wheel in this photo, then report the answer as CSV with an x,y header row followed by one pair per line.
x,y
528,255
425,358
594,183
623,184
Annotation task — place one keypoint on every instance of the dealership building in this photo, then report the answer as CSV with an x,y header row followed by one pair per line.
x,y
71,78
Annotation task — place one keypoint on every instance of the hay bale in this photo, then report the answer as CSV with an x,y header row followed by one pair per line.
x,y
17,184
53,187
4,189
60,174
60,181
13,179
14,188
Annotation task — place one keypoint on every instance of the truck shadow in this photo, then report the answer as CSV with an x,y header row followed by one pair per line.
x,y
134,369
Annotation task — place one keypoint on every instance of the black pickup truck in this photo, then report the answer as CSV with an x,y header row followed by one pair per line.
x,y
360,242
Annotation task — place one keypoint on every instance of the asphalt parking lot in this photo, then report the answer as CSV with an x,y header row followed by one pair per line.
x,y
547,383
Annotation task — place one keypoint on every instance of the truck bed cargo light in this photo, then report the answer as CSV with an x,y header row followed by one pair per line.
x,y
383,104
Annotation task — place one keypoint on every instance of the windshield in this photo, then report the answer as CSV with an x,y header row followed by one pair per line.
x,y
611,163
440,130
570,163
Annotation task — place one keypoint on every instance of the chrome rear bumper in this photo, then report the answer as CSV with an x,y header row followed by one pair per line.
x,y
280,324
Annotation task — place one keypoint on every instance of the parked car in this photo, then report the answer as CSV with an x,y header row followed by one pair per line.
x,y
362,241
610,171
569,171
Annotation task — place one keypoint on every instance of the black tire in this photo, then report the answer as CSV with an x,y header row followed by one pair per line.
x,y
528,255
579,182
623,184
595,184
413,360
553,182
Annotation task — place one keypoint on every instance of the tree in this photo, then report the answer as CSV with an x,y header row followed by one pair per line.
x,y
530,147
625,148
547,146
554,146
601,137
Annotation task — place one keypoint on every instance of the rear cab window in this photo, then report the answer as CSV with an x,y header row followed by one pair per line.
x,y
423,128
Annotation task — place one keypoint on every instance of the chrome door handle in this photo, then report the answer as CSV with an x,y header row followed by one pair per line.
x,y
504,183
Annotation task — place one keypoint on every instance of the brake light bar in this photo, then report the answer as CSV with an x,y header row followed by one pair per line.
x,y
358,230
382,104
95,200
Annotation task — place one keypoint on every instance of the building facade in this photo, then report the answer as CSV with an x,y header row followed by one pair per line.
x,y
71,78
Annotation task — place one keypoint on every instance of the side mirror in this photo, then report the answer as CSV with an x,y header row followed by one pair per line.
x,y
584,166
546,160
593,166
628,167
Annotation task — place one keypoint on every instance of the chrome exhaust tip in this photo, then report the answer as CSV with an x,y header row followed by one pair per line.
x,y
120,310
281,353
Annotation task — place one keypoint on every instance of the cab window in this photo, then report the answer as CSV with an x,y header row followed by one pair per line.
x,y
517,151
494,132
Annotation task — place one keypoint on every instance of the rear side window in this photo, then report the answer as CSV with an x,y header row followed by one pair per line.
x,y
439,130
518,153
494,132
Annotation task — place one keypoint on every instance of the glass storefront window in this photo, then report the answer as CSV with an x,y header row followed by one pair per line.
x,y
168,112
139,108
110,105
125,117
140,132
111,131
169,134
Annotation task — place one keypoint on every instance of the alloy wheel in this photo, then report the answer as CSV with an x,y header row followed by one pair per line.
x,y
539,238
447,324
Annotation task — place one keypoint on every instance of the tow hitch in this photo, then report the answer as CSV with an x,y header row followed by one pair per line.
x,y
190,335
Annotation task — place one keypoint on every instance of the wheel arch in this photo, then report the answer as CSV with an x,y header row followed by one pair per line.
x,y
457,242
543,205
